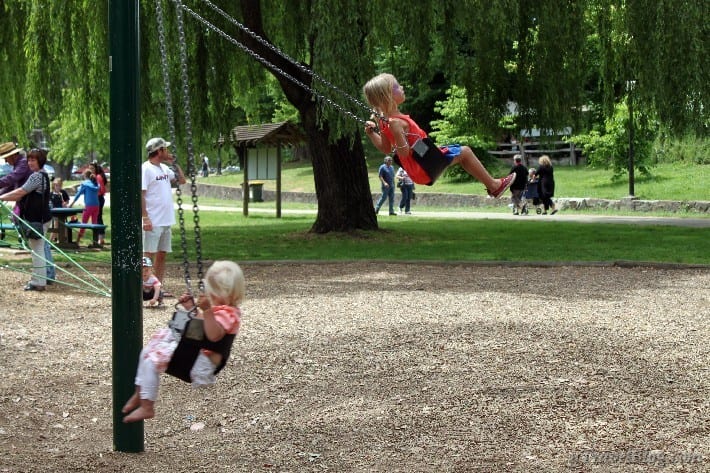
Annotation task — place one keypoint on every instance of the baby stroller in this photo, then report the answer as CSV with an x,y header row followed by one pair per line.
x,y
530,194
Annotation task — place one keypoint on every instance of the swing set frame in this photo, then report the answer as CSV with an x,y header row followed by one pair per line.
x,y
125,132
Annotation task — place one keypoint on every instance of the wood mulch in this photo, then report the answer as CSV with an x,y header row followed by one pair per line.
x,y
383,367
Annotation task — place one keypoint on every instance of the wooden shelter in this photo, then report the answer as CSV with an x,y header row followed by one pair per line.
x,y
269,136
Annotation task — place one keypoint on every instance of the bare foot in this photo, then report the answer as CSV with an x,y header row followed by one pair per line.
x,y
131,404
139,414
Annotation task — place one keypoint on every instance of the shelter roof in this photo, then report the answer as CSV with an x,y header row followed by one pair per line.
x,y
268,134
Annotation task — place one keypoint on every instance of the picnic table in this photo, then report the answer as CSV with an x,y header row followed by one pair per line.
x,y
63,232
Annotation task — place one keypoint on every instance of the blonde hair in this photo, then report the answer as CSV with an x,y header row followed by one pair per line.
x,y
378,93
545,160
225,280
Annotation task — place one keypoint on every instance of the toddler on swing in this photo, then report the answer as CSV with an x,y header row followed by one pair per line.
x,y
399,133
219,307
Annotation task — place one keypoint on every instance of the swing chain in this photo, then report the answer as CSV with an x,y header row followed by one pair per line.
x,y
303,68
173,137
192,168
277,69
166,74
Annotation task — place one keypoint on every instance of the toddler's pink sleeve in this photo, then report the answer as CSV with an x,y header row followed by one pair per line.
x,y
229,318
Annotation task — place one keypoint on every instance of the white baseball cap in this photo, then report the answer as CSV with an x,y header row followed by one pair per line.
x,y
154,144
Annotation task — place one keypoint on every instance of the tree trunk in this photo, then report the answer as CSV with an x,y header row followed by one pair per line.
x,y
339,168
342,186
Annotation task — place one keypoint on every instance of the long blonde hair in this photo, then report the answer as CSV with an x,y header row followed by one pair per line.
x,y
545,161
378,93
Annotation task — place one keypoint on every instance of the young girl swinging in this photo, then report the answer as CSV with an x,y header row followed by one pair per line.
x,y
399,133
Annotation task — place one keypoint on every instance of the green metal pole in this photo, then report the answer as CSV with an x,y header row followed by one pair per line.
x,y
126,241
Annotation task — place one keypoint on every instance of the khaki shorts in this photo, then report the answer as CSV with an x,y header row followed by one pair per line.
x,y
158,239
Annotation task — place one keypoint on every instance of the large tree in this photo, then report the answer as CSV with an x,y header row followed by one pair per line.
x,y
552,58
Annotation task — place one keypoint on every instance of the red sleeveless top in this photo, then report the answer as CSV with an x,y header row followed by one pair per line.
x,y
415,171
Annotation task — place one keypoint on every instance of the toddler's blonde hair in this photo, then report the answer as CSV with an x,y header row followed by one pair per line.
x,y
225,280
378,92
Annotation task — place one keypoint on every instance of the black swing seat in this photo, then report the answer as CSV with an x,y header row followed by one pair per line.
x,y
193,340
429,157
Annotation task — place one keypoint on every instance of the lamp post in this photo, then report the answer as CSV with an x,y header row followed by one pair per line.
x,y
630,84
220,143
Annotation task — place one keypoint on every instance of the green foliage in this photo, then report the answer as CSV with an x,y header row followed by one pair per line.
x,y
609,148
456,126
550,58
688,149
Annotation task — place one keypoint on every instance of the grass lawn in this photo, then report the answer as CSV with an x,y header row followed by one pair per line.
x,y
263,237
676,181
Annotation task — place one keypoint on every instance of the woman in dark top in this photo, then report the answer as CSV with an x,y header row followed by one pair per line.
x,y
546,184
33,198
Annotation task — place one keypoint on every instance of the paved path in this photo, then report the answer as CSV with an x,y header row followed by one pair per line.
x,y
560,216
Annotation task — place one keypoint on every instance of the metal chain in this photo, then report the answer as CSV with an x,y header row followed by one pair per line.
x,y
166,74
294,62
192,168
173,138
276,69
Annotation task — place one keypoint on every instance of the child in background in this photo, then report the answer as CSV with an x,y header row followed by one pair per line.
x,y
102,182
151,284
57,199
90,190
219,307
398,133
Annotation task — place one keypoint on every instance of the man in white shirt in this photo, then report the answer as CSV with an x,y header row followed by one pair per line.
x,y
157,203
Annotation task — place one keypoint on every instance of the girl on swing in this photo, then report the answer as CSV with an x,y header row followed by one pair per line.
x,y
219,307
399,133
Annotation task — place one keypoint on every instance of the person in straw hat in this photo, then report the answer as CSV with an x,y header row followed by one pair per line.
x,y
15,157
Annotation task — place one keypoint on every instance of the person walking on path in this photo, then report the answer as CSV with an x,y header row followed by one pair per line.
x,y
157,203
386,176
406,186
546,184
518,185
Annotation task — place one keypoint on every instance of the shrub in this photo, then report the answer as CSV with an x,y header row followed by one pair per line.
x,y
690,149
609,148
455,127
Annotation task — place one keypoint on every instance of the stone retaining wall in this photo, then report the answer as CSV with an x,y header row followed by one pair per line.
x,y
465,200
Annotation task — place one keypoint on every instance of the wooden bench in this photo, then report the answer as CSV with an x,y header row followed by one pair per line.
x,y
95,228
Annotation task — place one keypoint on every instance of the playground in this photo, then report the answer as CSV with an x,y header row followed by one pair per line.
x,y
385,367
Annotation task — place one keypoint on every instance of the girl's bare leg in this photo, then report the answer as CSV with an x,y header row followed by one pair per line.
x,y
468,160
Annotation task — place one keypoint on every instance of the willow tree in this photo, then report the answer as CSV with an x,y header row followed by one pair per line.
x,y
663,47
550,57
55,71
